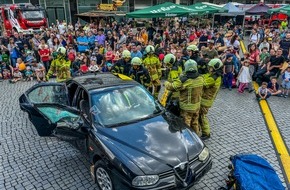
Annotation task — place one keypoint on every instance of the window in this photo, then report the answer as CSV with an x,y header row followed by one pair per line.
x,y
123,105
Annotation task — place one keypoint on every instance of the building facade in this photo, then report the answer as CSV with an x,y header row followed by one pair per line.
x,y
66,9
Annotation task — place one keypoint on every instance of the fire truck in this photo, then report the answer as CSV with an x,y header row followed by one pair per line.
x,y
22,17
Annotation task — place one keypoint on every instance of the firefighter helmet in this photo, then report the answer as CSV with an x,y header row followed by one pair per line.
x,y
192,48
150,49
169,59
61,50
190,65
136,61
126,54
215,63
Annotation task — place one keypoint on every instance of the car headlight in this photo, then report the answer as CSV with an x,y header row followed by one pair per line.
x,y
145,180
204,154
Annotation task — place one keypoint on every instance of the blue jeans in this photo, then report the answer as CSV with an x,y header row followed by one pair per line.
x,y
227,80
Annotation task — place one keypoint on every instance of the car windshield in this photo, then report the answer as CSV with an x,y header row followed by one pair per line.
x,y
33,14
123,105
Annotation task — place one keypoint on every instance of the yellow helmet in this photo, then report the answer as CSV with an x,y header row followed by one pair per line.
x,y
126,54
136,61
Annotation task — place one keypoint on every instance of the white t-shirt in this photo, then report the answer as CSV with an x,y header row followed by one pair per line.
x,y
61,28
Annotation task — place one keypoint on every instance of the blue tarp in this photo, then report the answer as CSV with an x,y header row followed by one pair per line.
x,y
255,173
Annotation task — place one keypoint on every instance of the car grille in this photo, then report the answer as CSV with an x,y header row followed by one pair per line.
x,y
181,170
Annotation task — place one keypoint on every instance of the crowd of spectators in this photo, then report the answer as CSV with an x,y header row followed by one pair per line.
x,y
92,48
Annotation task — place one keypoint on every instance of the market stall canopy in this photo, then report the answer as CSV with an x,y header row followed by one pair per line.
x,y
285,9
258,9
232,9
161,11
206,8
87,16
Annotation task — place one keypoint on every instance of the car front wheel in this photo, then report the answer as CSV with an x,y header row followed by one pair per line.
x,y
103,177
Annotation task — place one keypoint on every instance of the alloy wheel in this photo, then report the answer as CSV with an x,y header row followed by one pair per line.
x,y
104,179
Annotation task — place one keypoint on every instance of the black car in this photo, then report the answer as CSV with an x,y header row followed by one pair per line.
x,y
131,140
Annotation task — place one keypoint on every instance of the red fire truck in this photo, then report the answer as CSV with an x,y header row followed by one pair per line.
x,y
22,17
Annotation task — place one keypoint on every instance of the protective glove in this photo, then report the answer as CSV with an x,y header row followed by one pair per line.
x,y
46,77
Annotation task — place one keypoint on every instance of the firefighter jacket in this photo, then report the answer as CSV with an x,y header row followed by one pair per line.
x,y
152,63
61,67
174,74
211,87
141,75
190,87
122,67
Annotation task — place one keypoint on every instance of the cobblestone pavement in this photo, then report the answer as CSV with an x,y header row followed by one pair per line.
x,y
30,162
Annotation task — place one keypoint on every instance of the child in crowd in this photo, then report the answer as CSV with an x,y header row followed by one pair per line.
x,y
286,83
21,66
39,70
273,87
17,76
93,67
228,70
71,54
6,70
29,74
263,92
83,68
244,77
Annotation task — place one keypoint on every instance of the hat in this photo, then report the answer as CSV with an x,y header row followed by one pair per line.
x,y
133,44
228,34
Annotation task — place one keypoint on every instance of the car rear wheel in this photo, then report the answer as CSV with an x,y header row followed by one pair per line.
x,y
103,177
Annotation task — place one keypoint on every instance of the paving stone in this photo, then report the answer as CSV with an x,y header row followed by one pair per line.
x,y
28,160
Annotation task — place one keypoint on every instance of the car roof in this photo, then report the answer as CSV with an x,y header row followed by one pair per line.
x,y
101,80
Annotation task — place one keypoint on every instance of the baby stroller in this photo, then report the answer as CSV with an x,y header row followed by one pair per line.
x,y
251,172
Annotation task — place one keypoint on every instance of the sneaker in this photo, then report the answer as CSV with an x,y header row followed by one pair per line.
x,y
205,137
280,95
250,91
230,89
285,96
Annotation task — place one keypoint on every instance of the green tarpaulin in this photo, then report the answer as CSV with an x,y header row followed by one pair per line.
x,y
205,8
161,11
284,9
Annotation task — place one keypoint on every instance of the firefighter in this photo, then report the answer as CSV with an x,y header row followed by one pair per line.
x,y
152,63
193,53
60,66
190,86
212,83
174,71
139,73
123,65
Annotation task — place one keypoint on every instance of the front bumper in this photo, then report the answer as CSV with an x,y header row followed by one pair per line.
x,y
169,180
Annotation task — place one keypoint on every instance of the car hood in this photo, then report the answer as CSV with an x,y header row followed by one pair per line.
x,y
155,145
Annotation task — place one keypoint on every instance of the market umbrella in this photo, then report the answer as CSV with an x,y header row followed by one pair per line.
x,y
258,9
161,11
285,9
206,8
232,9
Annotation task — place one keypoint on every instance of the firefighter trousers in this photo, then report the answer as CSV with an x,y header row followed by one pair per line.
x,y
203,121
191,119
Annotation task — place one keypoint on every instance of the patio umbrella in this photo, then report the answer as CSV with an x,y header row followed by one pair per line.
x,y
206,8
260,8
161,11
285,9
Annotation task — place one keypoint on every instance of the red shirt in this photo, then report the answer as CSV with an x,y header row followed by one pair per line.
x,y
44,52
253,57
84,68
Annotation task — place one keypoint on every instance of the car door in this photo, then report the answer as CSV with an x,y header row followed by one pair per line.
x,y
67,120
43,93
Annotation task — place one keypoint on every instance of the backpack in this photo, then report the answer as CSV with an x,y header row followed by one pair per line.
x,y
71,56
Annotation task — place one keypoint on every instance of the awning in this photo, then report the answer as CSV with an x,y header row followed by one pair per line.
x,y
206,8
258,9
285,10
161,11
87,16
